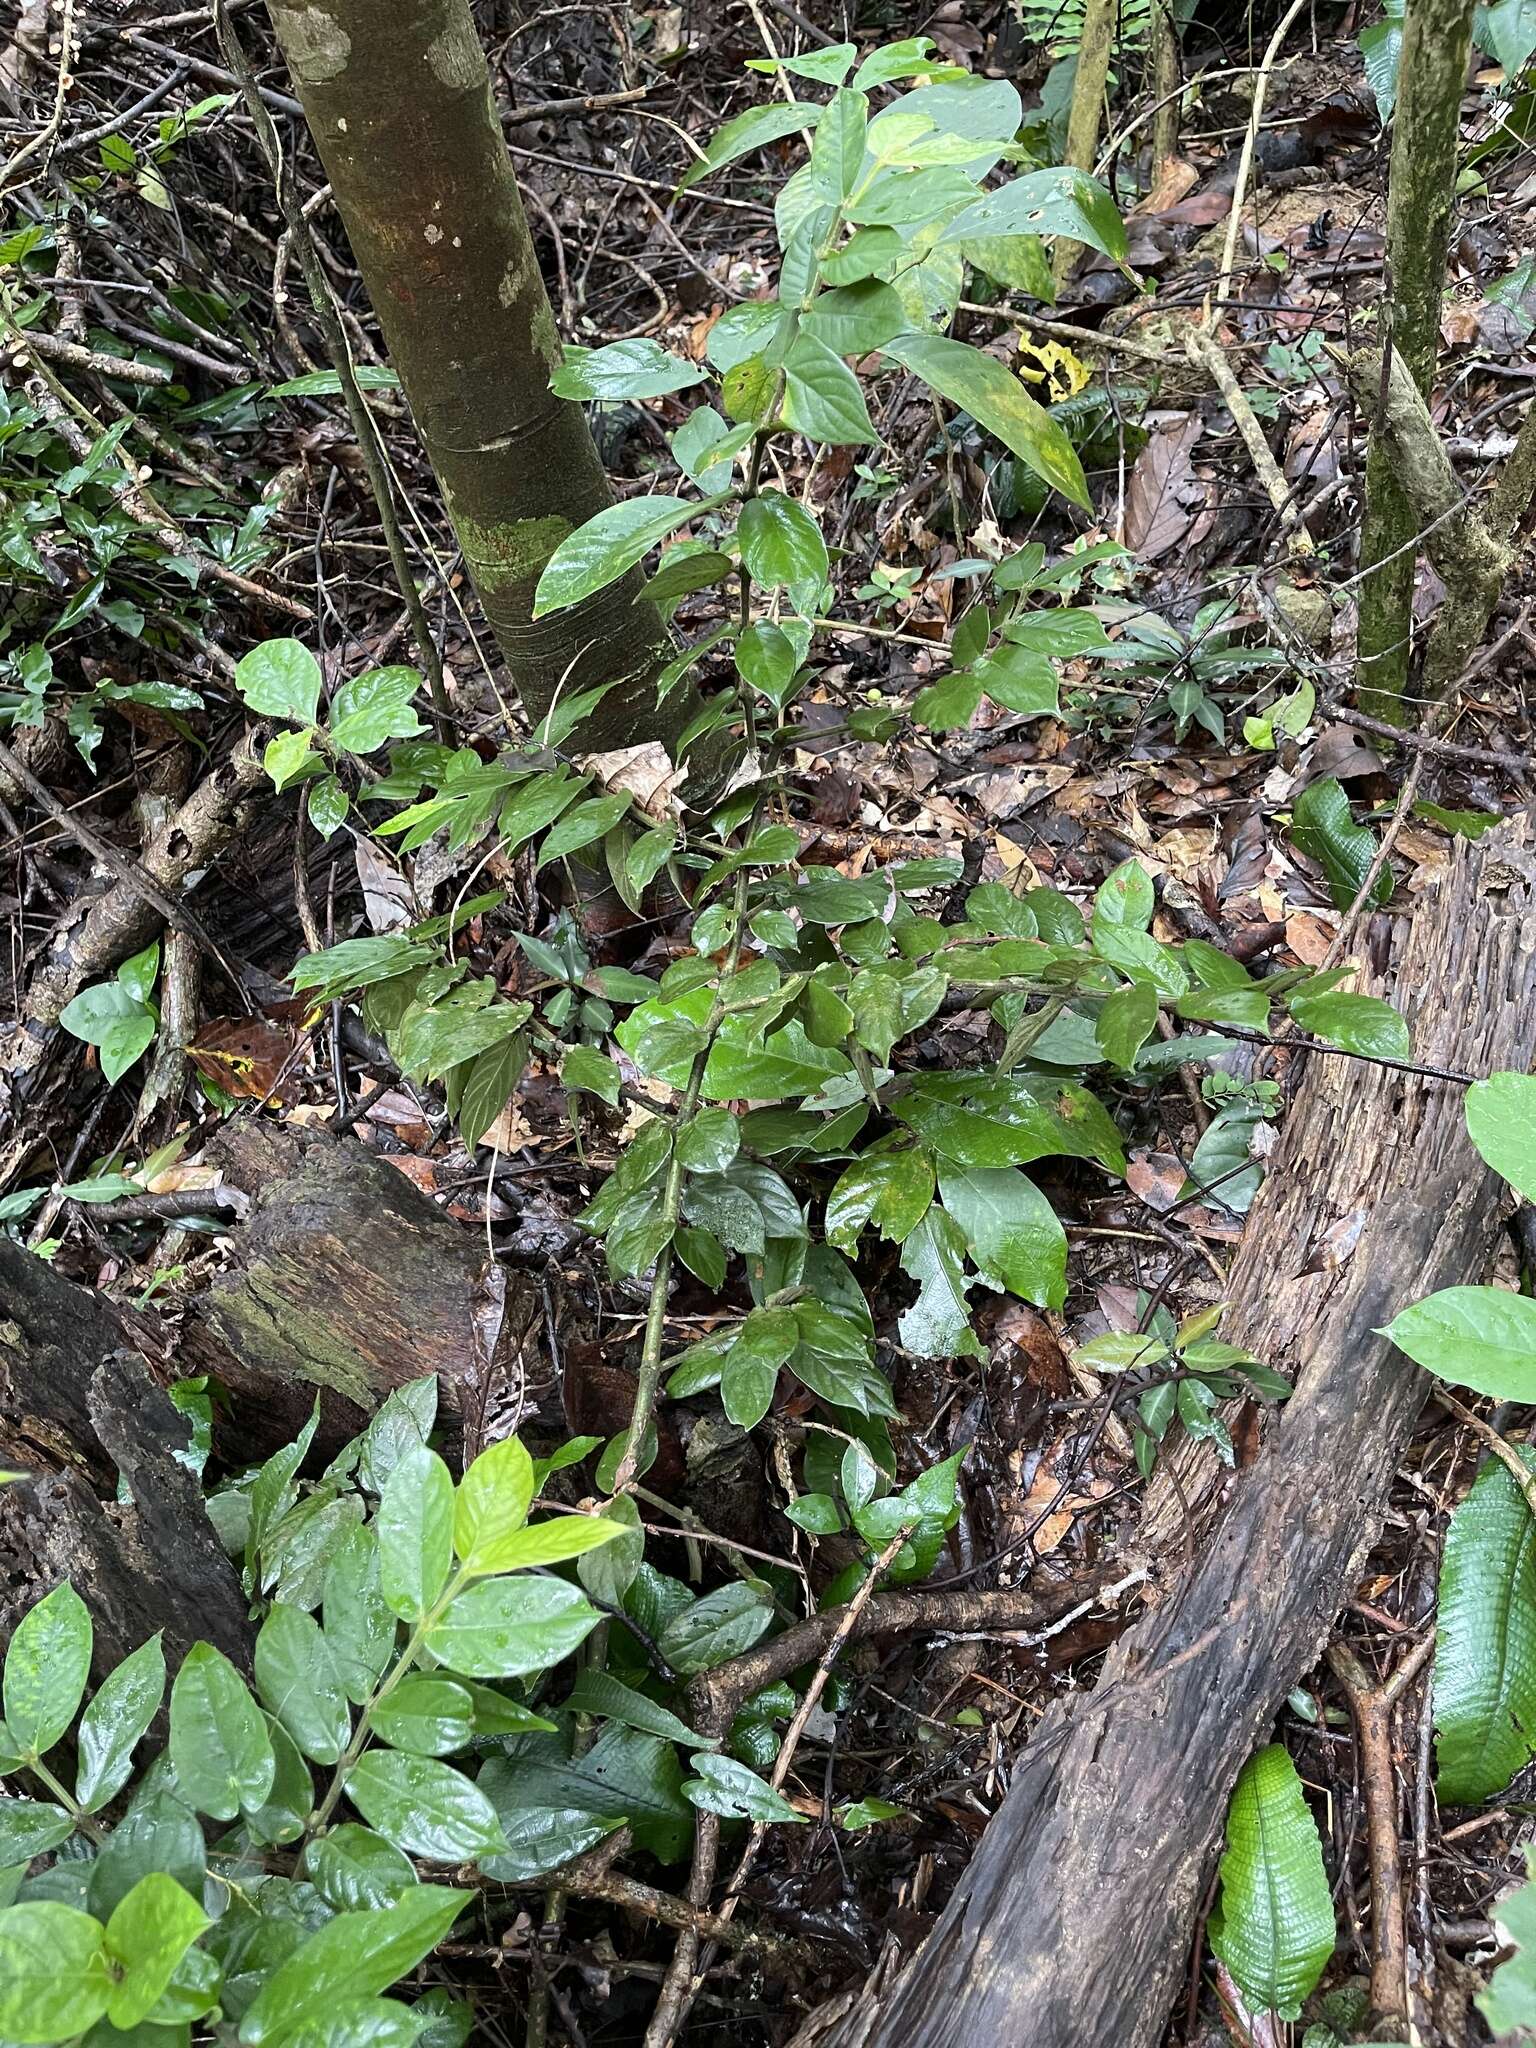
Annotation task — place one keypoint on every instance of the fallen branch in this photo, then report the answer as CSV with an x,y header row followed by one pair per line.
x,y
1072,1922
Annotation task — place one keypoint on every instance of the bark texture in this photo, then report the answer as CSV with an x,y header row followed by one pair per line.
x,y
398,98
77,1409
1073,1921
1421,195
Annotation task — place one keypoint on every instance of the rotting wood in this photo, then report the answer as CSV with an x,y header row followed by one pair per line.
x,y
1072,1922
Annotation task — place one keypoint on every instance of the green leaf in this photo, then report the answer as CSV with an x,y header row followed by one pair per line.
x,y
1017,262
414,1525
750,1373
30,1827
1062,201
599,552
827,67
111,1017
1125,897
1501,1122
373,708
359,1627
1323,827
1011,1230
709,1141
857,317
424,1807
637,368
147,1936
998,402
823,399
280,679
591,1071
46,1668
721,1785
505,1628
289,757
1381,47
353,1869
625,1775
1485,1643
327,383
557,1540
219,1745
1478,1337
360,2023
297,1679
600,1693
427,1716
713,1630
937,1325
1273,1926
492,1505
327,805
355,1955
1125,1022
582,824
891,1190
1509,2003
751,130
1362,1024
781,546
1009,1120
837,148
53,1971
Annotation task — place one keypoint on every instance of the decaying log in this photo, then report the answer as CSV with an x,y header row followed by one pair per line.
x,y
77,1410
347,1281
1072,1923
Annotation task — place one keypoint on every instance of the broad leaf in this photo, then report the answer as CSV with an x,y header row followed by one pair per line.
x,y
998,402
280,679
716,1628
219,1743
352,1868
1478,1337
373,708
637,368
297,1679
751,130
1363,1024
1062,201
46,1668
599,552
724,1786
1324,828
1273,1926
781,545
424,1807
505,1628
147,1936
54,1978
492,1503
1011,1230
355,1955
937,1325
414,1526
1501,1122
1485,1644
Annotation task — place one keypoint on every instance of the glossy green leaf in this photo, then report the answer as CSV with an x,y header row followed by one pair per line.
x,y
219,1745
297,1679
148,1934
781,545
937,1325
505,1628
491,1505
1509,2002
360,1629
636,368
355,1955
554,1542
823,399
1501,1122
1363,1024
856,318
280,679
375,707
1273,1926
353,1869
627,1775
599,552
1009,1120
1478,1337
998,402
600,1693
46,1667
722,1785
1485,1642
30,1827
751,130
424,1807
1324,828
1061,201
582,824
1125,1022
584,1068
414,1526
891,1190
713,1630
54,1980
1011,1230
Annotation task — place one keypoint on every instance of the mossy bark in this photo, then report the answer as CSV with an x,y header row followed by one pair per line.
x,y
1437,41
398,99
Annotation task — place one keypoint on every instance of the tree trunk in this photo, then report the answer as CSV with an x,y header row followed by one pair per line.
x,y
1432,72
1093,54
398,99
1072,1923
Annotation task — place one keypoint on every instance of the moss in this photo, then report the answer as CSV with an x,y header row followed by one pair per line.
x,y
316,44
511,550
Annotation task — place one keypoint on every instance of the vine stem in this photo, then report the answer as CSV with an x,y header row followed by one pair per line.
x,y
67,1800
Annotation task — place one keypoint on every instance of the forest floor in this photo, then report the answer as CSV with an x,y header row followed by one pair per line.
x,y
173,255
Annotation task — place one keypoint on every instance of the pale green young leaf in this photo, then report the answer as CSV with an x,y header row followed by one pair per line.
x,y
54,1979
219,1745
414,1526
491,1505
373,708
280,679
46,1667
1478,1337
120,1711
148,1934
1501,1122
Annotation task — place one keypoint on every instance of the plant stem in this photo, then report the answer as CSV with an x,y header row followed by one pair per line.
x,y
67,1800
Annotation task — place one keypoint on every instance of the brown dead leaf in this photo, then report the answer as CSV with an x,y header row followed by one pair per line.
x,y
1038,1347
1155,1178
388,902
1161,494
1308,938
1339,751
646,772
248,1056
1171,180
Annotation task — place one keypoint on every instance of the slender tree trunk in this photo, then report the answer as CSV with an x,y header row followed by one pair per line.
x,y
1165,83
1437,41
1093,54
398,98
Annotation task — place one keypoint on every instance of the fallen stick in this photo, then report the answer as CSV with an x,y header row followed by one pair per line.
x,y
1072,1923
